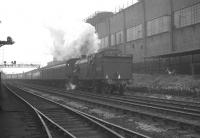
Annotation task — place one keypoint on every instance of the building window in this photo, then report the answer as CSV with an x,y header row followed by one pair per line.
x,y
104,42
158,25
119,37
112,39
187,16
129,34
134,33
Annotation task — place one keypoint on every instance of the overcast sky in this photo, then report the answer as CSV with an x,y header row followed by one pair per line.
x,y
26,21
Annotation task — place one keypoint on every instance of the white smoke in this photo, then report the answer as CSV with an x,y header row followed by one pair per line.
x,y
70,42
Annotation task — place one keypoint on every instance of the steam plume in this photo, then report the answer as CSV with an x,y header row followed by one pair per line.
x,y
74,42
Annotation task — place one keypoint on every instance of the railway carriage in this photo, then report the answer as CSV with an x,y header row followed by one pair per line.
x,y
54,75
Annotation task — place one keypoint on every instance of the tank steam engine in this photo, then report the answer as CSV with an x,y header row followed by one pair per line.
x,y
107,71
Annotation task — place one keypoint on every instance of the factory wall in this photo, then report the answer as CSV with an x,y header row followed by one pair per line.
x,y
158,44
103,29
158,27
116,22
179,4
187,38
134,15
153,27
156,8
136,49
186,25
117,31
134,22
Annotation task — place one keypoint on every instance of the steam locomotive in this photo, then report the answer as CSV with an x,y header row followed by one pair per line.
x,y
107,71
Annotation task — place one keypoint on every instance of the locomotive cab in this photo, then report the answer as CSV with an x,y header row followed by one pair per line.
x,y
116,70
107,71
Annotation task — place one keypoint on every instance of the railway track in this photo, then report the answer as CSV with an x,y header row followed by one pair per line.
x,y
190,111
178,103
184,110
76,123
49,128
118,105
158,101
25,120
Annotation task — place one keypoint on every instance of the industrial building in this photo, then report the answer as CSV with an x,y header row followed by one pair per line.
x,y
159,34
